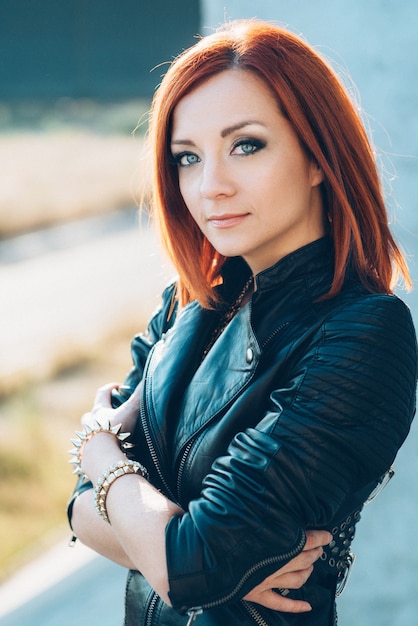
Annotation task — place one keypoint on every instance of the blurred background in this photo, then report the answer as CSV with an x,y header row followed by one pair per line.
x,y
80,271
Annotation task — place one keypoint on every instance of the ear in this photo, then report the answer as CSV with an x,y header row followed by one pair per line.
x,y
316,173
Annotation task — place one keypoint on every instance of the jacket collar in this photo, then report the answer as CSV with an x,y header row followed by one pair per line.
x,y
177,382
305,265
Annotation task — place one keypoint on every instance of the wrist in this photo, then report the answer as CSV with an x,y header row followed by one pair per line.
x,y
107,479
99,453
93,444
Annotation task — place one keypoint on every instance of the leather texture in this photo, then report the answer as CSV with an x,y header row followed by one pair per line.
x,y
287,424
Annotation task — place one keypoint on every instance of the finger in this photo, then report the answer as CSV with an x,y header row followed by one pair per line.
x,y
86,418
103,396
316,538
304,560
287,605
273,600
134,398
292,580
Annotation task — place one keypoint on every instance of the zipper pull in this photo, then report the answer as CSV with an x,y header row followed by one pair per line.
x,y
193,614
341,585
381,484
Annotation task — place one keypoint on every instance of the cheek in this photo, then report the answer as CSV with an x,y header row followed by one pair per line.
x,y
289,180
187,183
190,200
271,184
184,191
190,189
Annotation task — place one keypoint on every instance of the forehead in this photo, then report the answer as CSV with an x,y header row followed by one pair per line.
x,y
229,97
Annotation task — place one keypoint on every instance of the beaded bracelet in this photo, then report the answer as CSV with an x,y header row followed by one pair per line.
x,y
122,468
86,434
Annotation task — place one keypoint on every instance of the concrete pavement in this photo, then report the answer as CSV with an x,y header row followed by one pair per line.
x,y
58,305
65,587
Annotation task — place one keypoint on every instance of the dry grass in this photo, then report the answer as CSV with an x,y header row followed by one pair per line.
x,y
68,159
66,175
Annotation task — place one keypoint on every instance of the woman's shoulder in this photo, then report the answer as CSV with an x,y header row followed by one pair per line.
x,y
381,306
165,314
373,318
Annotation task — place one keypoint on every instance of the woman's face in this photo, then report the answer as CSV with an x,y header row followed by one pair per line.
x,y
243,175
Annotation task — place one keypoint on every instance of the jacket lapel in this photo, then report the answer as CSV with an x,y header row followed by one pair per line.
x,y
222,375
212,384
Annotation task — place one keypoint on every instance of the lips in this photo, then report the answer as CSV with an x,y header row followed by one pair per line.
x,y
227,220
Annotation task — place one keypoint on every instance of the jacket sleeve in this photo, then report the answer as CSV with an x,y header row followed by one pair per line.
x,y
332,427
142,343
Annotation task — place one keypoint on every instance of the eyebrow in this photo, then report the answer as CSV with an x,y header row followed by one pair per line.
x,y
232,129
224,133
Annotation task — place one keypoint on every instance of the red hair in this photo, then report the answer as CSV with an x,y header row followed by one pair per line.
x,y
329,127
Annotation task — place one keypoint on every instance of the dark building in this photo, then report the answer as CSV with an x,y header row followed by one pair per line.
x,y
99,49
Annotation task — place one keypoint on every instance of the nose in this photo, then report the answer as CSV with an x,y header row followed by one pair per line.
x,y
216,180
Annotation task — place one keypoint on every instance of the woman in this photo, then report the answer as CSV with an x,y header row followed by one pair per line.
x,y
276,383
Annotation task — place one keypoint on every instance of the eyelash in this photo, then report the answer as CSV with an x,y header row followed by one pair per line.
x,y
176,159
256,144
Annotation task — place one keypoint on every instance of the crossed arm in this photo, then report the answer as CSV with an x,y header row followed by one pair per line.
x,y
139,515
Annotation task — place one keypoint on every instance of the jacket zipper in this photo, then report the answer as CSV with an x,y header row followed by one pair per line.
x,y
153,453
151,448
274,333
193,615
183,464
195,435
194,611
254,614
151,608
149,441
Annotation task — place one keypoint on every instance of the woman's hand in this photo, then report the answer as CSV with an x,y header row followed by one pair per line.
x,y
291,576
103,450
102,411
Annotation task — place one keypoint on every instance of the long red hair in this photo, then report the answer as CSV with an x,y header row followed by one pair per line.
x,y
329,127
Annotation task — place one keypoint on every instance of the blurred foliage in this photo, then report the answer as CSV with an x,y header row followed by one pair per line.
x,y
31,489
68,159
76,114
36,425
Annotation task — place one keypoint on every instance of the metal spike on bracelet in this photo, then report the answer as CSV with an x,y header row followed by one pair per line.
x,y
86,434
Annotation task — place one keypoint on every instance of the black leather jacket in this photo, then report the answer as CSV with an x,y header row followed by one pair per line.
x,y
288,423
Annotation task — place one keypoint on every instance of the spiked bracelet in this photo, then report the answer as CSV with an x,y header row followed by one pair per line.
x,y
86,434
122,468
